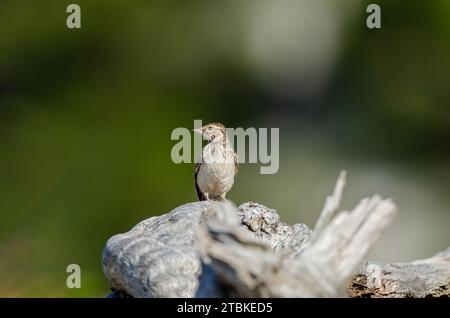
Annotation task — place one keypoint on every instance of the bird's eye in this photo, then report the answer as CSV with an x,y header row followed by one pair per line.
x,y
210,128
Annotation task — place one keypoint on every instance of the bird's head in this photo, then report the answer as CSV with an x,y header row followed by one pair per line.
x,y
212,131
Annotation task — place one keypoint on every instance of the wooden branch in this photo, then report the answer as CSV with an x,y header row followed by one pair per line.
x,y
213,249
332,204
322,268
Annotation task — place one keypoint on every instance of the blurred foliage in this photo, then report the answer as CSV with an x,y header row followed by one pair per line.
x,y
86,115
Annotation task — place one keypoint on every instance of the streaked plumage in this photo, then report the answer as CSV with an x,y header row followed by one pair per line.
x,y
214,172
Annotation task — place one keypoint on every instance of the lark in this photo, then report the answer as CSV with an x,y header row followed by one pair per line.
x,y
214,172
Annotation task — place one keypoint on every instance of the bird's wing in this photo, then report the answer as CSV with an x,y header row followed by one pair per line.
x,y
200,195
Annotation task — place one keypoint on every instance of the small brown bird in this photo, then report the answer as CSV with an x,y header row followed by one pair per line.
x,y
214,172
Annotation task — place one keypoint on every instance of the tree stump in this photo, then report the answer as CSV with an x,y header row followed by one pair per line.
x,y
213,249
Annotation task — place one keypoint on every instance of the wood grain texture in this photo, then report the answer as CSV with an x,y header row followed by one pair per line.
x,y
213,249
157,258
422,278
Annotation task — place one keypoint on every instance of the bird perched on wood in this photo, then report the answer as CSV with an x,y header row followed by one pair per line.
x,y
215,170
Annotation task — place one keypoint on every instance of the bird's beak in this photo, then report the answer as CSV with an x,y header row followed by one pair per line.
x,y
198,130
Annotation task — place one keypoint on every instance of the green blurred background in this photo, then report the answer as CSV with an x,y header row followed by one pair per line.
x,y
86,117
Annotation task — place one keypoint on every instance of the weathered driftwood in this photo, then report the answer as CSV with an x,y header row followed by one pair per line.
x,y
157,257
212,249
423,278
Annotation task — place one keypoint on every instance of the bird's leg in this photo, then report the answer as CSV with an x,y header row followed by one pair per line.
x,y
222,196
206,196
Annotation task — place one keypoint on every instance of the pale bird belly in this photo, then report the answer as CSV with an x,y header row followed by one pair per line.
x,y
215,178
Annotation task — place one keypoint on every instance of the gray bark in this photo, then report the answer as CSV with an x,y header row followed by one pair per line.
x,y
213,249
423,278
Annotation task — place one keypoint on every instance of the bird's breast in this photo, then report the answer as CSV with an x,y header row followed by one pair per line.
x,y
216,172
215,178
